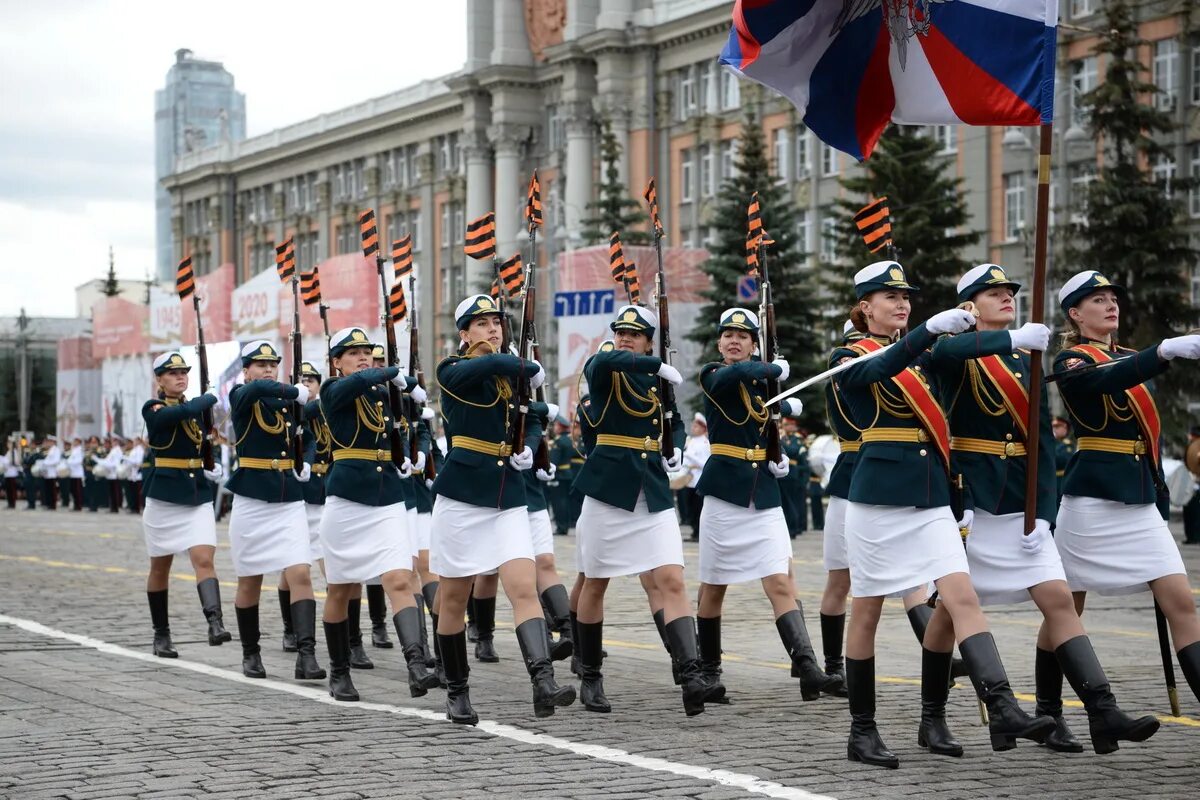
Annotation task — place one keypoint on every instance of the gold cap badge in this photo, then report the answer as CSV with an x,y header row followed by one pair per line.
x,y
739,317
358,336
265,349
896,274
998,275
1100,280
629,316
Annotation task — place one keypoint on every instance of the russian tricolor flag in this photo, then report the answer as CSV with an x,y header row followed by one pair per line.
x,y
851,66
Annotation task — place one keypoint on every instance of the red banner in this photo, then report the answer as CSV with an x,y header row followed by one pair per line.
x,y
119,328
215,291
591,268
349,287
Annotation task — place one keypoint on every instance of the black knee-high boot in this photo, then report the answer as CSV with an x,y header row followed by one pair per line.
x,y
358,655
439,670
248,633
696,691
1189,663
210,600
935,690
918,617
1048,679
660,622
794,635
589,636
304,621
557,606
163,647
485,624
575,663
708,635
532,636
1107,723
285,611
337,639
833,628
408,630
429,592
1007,721
472,629
865,744
377,608
426,652
458,697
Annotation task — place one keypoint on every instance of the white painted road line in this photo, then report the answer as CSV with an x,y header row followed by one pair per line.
x,y
738,780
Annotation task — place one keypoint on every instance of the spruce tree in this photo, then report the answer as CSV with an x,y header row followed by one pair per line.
x,y
614,209
111,288
795,309
1134,231
925,202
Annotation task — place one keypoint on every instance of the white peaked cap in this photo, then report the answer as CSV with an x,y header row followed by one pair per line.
x,y
1077,280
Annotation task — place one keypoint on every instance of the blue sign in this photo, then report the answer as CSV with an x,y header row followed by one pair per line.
x,y
579,304
747,288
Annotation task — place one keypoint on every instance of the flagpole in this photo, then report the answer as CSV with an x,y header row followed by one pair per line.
x,y
1037,314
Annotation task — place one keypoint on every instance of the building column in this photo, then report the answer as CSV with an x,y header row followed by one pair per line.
x,y
581,18
507,141
614,14
579,170
480,39
509,44
480,197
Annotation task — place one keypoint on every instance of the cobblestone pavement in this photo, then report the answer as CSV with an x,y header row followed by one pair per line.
x,y
85,712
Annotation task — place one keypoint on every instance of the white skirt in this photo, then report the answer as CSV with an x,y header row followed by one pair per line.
x,y
613,542
422,529
171,528
414,539
834,544
1001,571
1114,548
740,544
473,540
362,542
894,550
267,537
541,532
314,511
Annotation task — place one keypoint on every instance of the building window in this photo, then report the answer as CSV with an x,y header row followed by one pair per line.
x,y
1194,173
728,159
447,221
829,161
1014,205
687,93
414,229
944,136
1166,72
707,184
1081,177
1082,8
731,93
803,231
1163,172
555,134
1195,75
685,176
708,87
780,165
803,152
1196,285
1084,77
828,235
1055,198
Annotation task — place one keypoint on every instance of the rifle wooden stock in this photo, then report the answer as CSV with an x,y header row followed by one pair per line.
x,y
206,418
414,362
524,394
666,392
395,405
297,360
769,346
324,309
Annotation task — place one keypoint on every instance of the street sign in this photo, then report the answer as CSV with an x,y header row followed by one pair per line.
x,y
578,304
747,288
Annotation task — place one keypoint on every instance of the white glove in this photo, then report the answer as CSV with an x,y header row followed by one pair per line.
x,y
785,366
669,374
1030,336
551,411
401,380
1180,347
546,476
521,461
538,378
779,468
419,464
215,474
792,407
428,413
429,483
418,394
1036,540
304,474
673,463
968,519
303,390
954,320
405,470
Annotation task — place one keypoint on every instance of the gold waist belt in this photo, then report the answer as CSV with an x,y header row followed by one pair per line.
x,y
743,453
849,447
633,442
178,463
1129,447
320,469
264,463
895,435
480,446
987,447
362,454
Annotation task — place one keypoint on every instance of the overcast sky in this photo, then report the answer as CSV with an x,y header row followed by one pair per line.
x,y
77,82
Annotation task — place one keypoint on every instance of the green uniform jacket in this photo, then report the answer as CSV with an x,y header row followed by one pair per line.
x,y
317,450
261,412
477,402
733,394
1063,449
838,484
422,495
535,423
171,431
616,475
993,483
356,410
1088,397
890,473
799,470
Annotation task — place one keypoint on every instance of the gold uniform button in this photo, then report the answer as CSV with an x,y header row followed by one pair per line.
x,y
499,463
654,389
283,452
1016,374
643,455
1016,355
924,452
379,469
191,474
387,419
1008,436
654,421
378,402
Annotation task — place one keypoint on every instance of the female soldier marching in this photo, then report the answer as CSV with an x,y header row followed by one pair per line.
x,y
743,534
179,498
900,532
1112,533
984,380
480,521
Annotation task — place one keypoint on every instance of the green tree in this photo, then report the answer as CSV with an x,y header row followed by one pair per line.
x,y
614,209
925,203
786,263
1134,230
111,287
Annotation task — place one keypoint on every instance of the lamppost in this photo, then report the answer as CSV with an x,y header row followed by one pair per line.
x,y
22,371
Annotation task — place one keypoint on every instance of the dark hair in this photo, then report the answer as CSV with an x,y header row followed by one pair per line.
x,y
858,319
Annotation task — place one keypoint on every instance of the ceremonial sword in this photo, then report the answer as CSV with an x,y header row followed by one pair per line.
x,y
829,373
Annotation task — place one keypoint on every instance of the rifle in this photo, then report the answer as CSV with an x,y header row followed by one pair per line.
x,y
185,285
768,343
414,365
666,392
370,248
541,458
324,309
533,216
297,360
